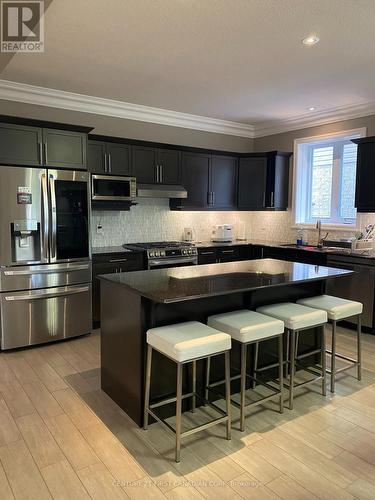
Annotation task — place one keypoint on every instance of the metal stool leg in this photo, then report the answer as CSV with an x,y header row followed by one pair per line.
x,y
256,354
178,412
287,353
359,347
243,386
281,370
147,387
227,394
194,384
292,344
208,366
333,357
324,362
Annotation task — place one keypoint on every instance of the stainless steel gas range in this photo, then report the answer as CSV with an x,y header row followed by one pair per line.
x,y
164,254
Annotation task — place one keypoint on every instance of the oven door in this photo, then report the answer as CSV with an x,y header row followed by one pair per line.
x,y
172,262
113,188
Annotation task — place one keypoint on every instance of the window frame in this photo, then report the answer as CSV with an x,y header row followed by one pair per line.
x,y
301,203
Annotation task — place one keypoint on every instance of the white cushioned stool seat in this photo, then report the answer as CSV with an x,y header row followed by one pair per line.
x,y
295,316
246,326
190,340
335,307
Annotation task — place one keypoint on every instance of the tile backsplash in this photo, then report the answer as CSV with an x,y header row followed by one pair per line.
x,y
151,220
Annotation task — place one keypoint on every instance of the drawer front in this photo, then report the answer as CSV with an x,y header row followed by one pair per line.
x,y
207,255
32,277
125,261
44,315
229,254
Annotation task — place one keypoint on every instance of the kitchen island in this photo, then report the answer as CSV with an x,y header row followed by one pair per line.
x,y
131,303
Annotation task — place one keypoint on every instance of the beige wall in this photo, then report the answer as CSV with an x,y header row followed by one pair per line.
x,y
284,142
118,127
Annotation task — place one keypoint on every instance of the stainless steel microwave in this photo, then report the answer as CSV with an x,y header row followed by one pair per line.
x,y
113,188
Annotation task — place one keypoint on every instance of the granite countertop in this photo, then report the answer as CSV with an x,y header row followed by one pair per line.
x,y
113,249
193,282
366,254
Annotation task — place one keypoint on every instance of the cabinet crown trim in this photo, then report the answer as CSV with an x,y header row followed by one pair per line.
x,y
42,96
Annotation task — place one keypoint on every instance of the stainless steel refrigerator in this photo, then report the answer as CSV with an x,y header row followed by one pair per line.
x,y
45,255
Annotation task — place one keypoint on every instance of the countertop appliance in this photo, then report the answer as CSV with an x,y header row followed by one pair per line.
x,y
222,233
45,255
113,188
161,255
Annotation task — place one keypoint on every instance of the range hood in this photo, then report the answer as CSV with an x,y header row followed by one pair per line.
x,y
160,191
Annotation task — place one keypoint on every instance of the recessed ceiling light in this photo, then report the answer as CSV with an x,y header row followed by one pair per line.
x,y
310,40
312,108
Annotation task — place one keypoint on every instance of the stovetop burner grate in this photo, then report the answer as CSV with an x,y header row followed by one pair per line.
x,y
159,244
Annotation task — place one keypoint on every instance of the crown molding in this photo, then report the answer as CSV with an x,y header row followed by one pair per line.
x,y
314,119
41,96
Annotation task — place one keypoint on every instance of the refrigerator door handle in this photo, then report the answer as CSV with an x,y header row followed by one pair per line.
x,y
46,294
53,216
44,217
29,272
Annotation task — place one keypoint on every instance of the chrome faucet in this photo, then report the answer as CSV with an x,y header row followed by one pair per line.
x,y
320,238
319,228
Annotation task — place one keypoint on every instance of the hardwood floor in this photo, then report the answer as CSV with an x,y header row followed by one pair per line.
x,y
62,437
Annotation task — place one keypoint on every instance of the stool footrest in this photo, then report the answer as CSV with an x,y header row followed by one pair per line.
x,y
275,391
223,416
170,400
346,358
343,369
307,354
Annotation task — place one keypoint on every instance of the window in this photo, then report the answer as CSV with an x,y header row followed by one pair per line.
x,y
325,179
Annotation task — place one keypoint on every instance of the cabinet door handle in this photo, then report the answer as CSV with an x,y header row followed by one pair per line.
x,y
272,199
206,253
264,198
45,153
118,260
157,173
227,251
41,153
105,163
160,173
213,198
109,163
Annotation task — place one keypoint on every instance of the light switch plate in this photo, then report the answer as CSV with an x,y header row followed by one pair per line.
x,y
99,229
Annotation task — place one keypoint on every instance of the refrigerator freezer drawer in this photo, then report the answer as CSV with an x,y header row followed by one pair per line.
x,y
43,276
37,316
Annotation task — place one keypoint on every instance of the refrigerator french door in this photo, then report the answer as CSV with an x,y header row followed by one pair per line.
x,y
45,255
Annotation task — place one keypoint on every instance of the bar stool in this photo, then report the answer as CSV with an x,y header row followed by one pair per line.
x,y
247,328
298,318
339,309
187,343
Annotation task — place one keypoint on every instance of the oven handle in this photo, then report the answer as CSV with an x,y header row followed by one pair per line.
x,y
163,262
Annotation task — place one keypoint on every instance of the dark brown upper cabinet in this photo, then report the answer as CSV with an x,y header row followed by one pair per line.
x,y
365,180
20,145
64,149
263,180
38,146
156,166
108,158
223,182
210,180
195,175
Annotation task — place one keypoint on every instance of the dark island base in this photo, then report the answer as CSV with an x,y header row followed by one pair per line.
x,y
127,317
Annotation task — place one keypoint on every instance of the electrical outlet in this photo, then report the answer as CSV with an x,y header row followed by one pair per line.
x,y
99,229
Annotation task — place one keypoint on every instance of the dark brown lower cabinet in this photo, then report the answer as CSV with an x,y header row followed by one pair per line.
x,y
110,264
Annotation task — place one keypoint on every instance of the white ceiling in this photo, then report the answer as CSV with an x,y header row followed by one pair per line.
x,y
238,60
